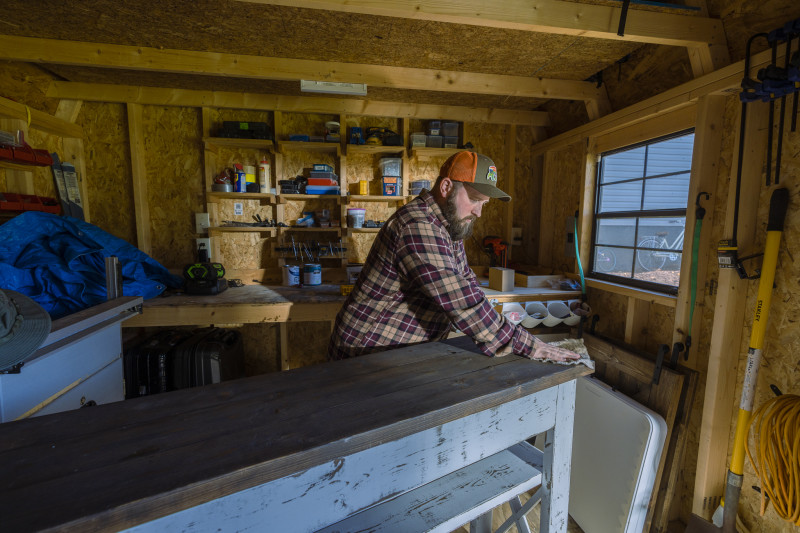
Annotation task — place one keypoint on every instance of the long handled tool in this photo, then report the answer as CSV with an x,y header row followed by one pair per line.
x,y
777,213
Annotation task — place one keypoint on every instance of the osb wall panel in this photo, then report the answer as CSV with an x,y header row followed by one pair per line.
x,y
489,140
172,140
780,364
659,328
525,198
246,251
261,348
648,71
308,343
108,168
27,84
564,178
612,309
565,115
303,123
744,18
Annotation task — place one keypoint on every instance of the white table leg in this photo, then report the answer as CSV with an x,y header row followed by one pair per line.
x,y
482,524
557,457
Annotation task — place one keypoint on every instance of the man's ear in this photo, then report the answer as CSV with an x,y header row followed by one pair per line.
x,y
445,187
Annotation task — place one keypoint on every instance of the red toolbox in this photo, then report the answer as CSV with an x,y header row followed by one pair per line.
x,y
10,201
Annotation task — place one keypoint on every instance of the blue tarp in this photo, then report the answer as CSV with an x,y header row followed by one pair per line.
x,y
60,263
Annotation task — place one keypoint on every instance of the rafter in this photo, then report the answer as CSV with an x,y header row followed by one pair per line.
x,y
545,16
304,104
273,68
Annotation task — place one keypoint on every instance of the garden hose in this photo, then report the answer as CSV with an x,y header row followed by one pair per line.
x,y
777,213
776,432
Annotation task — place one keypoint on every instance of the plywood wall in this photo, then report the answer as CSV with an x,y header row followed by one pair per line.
x,y
561,196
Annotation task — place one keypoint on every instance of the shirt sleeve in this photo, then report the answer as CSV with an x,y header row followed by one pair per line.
x,y
430,261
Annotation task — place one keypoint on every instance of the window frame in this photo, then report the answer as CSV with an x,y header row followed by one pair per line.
x,y
636,216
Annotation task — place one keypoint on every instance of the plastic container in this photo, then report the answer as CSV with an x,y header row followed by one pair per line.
x,y
418,139
321,167
418,185
355,217
450,142
434,141
324,175
263,177
434,127
391,166
450,129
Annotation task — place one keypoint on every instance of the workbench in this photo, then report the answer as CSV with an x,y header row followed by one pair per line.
x,y
262,303
290,451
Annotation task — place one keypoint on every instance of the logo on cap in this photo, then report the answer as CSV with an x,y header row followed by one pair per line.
x,y
491,174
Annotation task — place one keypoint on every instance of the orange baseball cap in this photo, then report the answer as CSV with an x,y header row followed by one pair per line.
x,y
477,170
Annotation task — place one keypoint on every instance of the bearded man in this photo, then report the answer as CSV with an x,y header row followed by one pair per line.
x,y
416,285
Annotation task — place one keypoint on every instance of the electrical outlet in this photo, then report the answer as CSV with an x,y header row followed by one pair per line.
x,y
201,222
207,245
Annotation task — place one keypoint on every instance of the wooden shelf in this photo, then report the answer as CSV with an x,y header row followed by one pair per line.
x,y
283,197
434,152
214,195
334,148
309,230
241,229
363,230
252,144
376,198
372,149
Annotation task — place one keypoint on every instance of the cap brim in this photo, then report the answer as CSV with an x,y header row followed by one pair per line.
x,y
490,190
31,334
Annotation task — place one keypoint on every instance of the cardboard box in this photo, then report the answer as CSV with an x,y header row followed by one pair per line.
x,y
501,279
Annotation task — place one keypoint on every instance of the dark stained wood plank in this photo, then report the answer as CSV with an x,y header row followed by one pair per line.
x,y
136,479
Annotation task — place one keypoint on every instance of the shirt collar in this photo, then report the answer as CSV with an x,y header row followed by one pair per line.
x,y
430,201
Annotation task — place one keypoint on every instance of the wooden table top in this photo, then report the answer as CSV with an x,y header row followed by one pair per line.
x,y
116,465
262,303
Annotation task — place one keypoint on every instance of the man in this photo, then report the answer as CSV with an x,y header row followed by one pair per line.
x,y
416,282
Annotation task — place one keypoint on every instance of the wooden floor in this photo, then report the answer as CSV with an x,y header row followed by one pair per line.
x,y
502,513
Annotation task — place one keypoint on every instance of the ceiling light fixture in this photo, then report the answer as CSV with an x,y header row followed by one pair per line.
x,y
333,87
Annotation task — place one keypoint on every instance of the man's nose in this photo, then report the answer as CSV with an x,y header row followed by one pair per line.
x,y
477,210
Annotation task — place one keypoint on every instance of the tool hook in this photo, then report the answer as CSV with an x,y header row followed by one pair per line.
x,y
697,200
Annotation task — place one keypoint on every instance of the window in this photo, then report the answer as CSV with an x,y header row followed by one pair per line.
x,y
640,212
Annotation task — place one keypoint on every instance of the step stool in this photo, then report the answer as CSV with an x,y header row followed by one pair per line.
x,y
466,495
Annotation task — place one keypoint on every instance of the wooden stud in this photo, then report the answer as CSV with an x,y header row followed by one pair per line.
x,y
511,160
729,316
585,218
636,320
545,228
705,167
299,104
39,120
139,176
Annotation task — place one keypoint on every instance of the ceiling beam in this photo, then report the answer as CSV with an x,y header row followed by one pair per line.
x,y
256,67
545,16
302,104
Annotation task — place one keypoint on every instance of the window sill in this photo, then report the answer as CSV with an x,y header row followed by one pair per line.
x,y
660,298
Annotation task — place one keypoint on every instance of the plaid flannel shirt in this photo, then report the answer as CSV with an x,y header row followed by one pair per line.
x,y
415,284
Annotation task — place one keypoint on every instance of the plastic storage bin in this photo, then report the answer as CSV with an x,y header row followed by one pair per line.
x,y
434,141
418,139
391,166
434,127
450,129
450,142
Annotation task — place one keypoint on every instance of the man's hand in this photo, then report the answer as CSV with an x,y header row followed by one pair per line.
x,y
542,350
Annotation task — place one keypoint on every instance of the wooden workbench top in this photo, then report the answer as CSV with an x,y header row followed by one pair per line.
x,y
262,303
116,465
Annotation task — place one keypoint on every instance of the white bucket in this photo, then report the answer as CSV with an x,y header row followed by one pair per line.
x,y
556,313
514,312
355,217
536,312
312,274
291,275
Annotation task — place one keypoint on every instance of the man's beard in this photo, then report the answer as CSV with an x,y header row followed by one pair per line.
x,y
459,229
